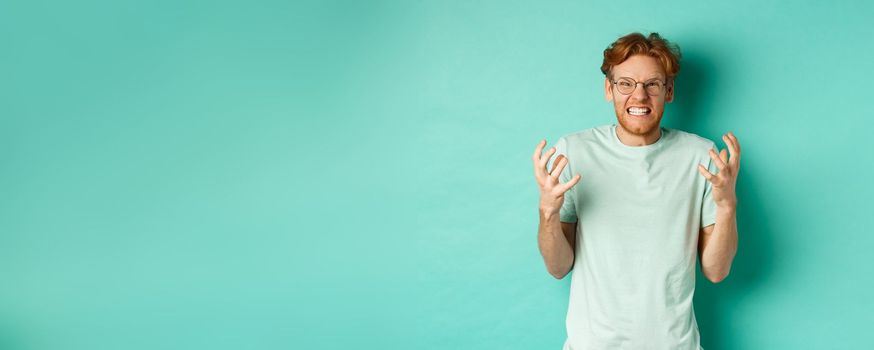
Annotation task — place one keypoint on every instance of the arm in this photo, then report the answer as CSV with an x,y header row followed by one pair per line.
x,y
554,238
556,241
717,243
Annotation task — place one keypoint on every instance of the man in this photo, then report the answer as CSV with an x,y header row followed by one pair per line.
x,y
645,209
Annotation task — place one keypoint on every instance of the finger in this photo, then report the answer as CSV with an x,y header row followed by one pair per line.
x,y
571,183
732,149
734,138
539,170
538,150
707,175
723,156
736,146
545,159
719,163
555,163
558,166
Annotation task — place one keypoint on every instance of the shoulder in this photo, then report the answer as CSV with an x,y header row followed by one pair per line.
x,y
594,134
688,140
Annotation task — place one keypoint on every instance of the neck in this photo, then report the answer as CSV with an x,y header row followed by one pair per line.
x,y
629,139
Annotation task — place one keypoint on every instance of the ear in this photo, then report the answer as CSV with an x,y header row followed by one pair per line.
x,y
608,92
669,91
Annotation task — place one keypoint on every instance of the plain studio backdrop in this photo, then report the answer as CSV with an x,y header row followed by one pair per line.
x,y
357,175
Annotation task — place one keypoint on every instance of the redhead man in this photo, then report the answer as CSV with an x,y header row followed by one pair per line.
x,y
630,207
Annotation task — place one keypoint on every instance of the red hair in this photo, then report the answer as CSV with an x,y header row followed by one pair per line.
x,y
637,44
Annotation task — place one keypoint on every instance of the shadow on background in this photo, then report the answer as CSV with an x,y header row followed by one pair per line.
x,y
697,91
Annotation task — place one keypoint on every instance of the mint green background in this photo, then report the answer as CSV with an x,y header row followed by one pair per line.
x,y
356,175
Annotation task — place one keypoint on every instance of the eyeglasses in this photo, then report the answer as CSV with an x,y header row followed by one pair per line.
x,y
626,86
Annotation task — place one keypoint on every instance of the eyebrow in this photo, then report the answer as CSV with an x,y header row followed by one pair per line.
x,y
654,77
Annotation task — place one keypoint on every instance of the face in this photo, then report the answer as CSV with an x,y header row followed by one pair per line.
x,y
639,113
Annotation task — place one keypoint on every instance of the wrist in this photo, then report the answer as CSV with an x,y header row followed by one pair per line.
x,y
726,209
548,213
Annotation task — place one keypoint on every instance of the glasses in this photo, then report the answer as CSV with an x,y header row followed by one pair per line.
x,y
626,86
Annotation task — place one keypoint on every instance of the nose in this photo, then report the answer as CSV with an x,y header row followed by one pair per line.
x,y
639,92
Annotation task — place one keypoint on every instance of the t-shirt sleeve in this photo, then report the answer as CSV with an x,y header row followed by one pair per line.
x,y
708,206
568,211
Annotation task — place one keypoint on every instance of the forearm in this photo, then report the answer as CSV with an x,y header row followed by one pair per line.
x,y
721,247
558,255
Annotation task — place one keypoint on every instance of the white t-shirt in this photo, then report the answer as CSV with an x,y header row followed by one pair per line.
x,y
638,212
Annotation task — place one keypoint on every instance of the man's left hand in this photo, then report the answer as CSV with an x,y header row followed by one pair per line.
x,y
724,181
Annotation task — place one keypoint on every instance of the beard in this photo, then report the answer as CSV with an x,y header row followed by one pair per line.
x,y
637,127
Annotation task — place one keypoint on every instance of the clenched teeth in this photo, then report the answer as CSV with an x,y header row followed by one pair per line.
x,y
638,110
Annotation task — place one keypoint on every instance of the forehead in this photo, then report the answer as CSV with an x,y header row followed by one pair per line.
x,y
639,67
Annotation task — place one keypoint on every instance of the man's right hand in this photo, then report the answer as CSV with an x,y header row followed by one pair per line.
x,y
551,189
